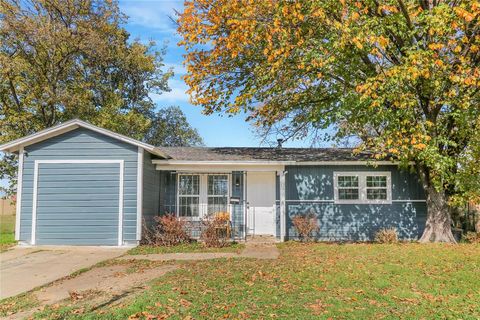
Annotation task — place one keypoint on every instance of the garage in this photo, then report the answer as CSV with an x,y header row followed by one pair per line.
x,y
78,202
79,184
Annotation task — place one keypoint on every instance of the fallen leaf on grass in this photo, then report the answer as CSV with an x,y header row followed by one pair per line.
x,y
185,303
74,295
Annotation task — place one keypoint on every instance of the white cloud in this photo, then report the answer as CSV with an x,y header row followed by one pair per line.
x,y
152,14
176,95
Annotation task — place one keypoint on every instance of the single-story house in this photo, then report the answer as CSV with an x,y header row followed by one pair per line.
x,y
79,184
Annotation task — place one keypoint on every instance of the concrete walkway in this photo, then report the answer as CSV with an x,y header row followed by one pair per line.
x,y
25,268
254,250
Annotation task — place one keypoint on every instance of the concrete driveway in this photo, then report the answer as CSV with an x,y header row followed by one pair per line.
x,y
25,268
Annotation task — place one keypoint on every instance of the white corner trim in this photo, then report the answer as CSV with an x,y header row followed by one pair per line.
x,y
120,204
282,206
362,186
18,212
139,192
35,192
34,203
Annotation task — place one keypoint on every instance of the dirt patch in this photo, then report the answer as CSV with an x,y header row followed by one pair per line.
x,y
260,251
180,256
114,280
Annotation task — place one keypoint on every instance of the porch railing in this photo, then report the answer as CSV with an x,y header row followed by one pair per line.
x,y
235,212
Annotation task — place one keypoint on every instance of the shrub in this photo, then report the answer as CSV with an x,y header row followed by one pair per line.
x,y
472,237
168,231
388,235
216,230
305,225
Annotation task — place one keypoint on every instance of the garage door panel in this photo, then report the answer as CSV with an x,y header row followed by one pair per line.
x,y
78,211
78,207
81,184
63,222
47,197
89,229
79,177
74,204
55,190
74,217
80,242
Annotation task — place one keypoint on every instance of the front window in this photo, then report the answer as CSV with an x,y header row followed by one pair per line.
x,y
202,194
376,187
362,187
188,195
217,193
348,188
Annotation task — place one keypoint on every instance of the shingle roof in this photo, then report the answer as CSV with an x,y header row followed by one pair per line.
x,y
264,154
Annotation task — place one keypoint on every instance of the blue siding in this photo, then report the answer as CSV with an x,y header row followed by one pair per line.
x,y
81,144
151,190
355,222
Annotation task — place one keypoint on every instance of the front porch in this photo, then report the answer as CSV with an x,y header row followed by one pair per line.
x,y
249,196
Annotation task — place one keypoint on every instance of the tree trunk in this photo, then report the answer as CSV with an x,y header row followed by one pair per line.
x,y
438,227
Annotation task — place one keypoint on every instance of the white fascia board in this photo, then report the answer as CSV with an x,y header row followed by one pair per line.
x,y
346,163
165,163
14,146
225,163
199,168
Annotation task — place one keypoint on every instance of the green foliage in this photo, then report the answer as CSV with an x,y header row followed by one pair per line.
x,y
7,231
18,303
170,128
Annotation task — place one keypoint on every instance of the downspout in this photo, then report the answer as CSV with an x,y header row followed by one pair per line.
x,y
245,205
283,213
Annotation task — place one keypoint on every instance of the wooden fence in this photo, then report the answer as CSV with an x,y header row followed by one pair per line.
x,y
6,207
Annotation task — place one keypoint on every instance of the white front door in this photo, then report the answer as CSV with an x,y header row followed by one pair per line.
x,y
261,203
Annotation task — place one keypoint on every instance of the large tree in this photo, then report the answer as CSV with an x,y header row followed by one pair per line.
x,y
170,128
64,59
401,75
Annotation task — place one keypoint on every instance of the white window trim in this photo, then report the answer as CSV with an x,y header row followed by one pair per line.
x,y
203,193
35,191
362,187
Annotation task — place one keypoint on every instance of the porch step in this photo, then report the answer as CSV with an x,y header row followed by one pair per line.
x,y
261,239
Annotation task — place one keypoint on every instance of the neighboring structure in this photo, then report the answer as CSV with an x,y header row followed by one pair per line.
x,y
7,206
83,185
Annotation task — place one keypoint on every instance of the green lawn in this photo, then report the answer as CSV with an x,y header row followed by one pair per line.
x,y
7,231
314,281
185,248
